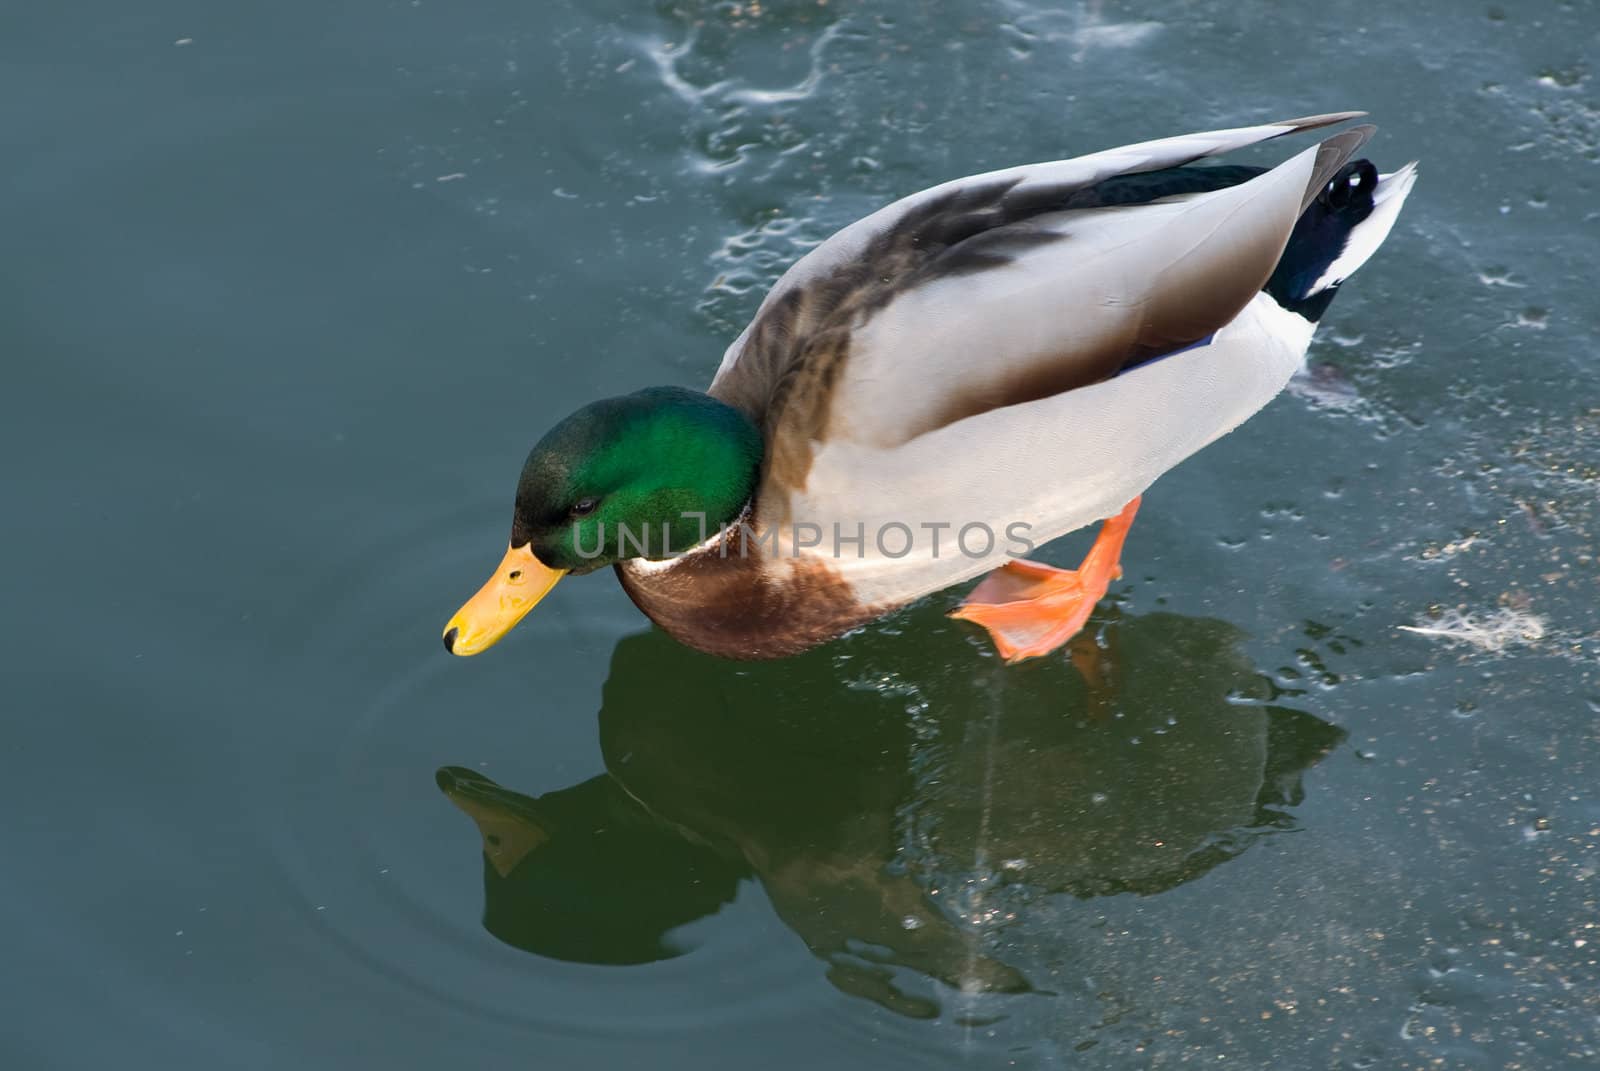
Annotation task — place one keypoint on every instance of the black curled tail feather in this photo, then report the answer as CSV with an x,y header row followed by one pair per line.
x,y
1300,283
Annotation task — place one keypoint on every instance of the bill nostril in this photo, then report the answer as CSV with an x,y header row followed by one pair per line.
x,y
450,639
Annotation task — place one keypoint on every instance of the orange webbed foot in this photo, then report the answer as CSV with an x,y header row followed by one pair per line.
x,y
1030,609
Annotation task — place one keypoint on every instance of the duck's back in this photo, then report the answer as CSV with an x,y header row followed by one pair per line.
x,y
969,234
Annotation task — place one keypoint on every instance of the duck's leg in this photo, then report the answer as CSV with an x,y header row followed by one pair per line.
x,y
1031,609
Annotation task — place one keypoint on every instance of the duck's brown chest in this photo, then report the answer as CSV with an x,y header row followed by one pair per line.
x,y
737,606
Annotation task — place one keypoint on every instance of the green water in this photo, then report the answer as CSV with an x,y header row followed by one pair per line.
x,y
288,291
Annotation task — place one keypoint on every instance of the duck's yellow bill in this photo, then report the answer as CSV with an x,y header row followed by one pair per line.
x,y
516,587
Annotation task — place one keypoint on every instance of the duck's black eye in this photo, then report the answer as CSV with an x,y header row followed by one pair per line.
x,y
584,506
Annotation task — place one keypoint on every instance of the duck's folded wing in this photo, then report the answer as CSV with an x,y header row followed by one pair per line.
x,y
978,202
1006,288
1060,301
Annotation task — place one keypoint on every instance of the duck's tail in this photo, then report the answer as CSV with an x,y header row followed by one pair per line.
x,y
1338,231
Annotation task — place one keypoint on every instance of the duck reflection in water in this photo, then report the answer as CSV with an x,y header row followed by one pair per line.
x,y
894,821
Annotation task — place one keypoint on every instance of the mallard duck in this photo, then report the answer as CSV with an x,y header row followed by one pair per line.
x,y
945,385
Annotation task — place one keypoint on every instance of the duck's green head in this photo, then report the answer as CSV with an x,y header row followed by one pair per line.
x,y
645,475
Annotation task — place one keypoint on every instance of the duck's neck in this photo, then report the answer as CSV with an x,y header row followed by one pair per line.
x,y
706,457
720,462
